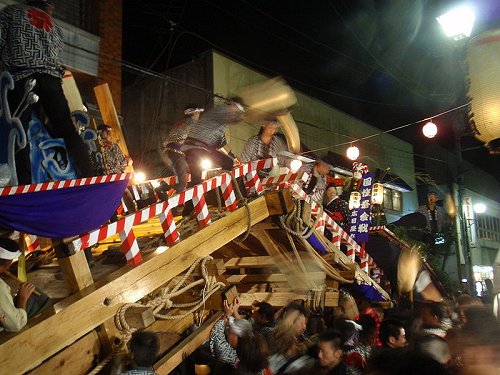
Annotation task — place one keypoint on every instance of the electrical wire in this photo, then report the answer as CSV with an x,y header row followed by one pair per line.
x,y
289,78
387,131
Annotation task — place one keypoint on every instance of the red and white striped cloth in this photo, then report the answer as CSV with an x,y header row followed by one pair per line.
x,y
124,226
54,185
339,235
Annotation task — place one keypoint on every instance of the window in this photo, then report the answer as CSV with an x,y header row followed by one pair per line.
x,y
488,228
393,200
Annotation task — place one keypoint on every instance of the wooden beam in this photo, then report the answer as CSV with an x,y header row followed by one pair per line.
x,y
186,347
278,299
287,262
76,359
251,262
85,310
76,271
269,278
280,202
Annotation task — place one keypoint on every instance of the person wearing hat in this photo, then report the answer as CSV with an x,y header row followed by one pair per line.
x,y
265,145
30,46
15,315
173,156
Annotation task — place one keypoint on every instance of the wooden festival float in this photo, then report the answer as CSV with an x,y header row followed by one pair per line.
x,y
162,273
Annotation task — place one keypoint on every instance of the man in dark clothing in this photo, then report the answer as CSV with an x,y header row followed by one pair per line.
x,y
30,46
174,157
207,136
392,334
330,354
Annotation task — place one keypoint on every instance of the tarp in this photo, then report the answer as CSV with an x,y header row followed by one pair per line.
x,y
62,212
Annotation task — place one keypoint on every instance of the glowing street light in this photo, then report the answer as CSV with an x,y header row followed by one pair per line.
x,y
430,130
458,22
479,208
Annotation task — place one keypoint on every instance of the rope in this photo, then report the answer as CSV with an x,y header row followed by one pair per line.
x,y
288,221
299,260
164,299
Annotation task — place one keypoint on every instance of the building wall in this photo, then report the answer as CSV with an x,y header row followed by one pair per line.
x,y
484,247
109,14
152,105
321,126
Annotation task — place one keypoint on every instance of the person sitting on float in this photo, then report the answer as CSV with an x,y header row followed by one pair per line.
x,y
336,207
16,311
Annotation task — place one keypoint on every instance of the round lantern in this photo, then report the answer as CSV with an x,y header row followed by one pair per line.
x,y
430,130
353,152
354,200
377,193
484,74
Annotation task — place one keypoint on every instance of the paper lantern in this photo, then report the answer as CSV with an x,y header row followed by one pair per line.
x,y
352,152
354,200
430,130
484,73
377,193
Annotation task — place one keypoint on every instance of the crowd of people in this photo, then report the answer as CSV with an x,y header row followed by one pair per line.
x,y
457,336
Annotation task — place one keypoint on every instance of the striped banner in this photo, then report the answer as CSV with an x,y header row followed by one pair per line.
x,y
64,184
124,226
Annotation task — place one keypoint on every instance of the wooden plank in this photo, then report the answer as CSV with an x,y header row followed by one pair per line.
x,y
85,310
265,225
287,262
139,317
269,278
349,275
76,359
278,299
110,118
251,262
279,202
76,271
186,347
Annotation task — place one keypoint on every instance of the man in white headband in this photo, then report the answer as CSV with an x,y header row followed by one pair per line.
x,y
15,316
207,138
172,155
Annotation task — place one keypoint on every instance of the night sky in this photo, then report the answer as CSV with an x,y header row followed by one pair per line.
x,y
386,62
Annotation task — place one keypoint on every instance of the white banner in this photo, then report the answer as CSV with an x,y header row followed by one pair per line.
x,y
470,221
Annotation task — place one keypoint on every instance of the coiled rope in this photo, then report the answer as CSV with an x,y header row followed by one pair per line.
x,y
163,301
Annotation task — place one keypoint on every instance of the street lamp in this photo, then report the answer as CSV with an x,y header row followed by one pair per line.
x,y
458,24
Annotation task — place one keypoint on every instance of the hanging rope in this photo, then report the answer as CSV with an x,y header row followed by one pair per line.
x,y
294,219
164,300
